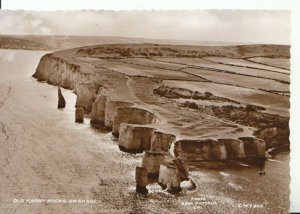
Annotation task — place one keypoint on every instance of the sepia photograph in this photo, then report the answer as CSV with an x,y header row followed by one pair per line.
x,y
162,111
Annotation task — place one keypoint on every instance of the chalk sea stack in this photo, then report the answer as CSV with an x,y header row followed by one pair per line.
x,y
61,99
172,173
134,138
152,160
161,142
79,112
141,180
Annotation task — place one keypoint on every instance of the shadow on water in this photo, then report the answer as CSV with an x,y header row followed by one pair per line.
x,y
100,129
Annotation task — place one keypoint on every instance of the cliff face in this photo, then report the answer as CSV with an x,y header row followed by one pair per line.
x,y
98,110
171,173
111,111
132,115
152,160
57,71
253,146
135,138
86,95
200,150
220,149
274,136
161,142
234,148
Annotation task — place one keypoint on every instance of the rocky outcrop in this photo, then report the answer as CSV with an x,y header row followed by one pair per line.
x,y
79,114
141,178
134,138
253,146
275,136
167,172
172,173
138,138
57,71
250,115
132,115
61,99
169,177
234,148
176,93
111,110
98,110
202,150
161,142
222,149
86,95
152,160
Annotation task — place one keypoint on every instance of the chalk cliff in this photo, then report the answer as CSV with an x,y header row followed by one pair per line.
x,y
98,110
58,71
135,138
132,99
86,95
200,150
132,115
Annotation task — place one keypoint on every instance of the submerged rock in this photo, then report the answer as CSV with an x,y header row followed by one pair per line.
x,y
61,99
